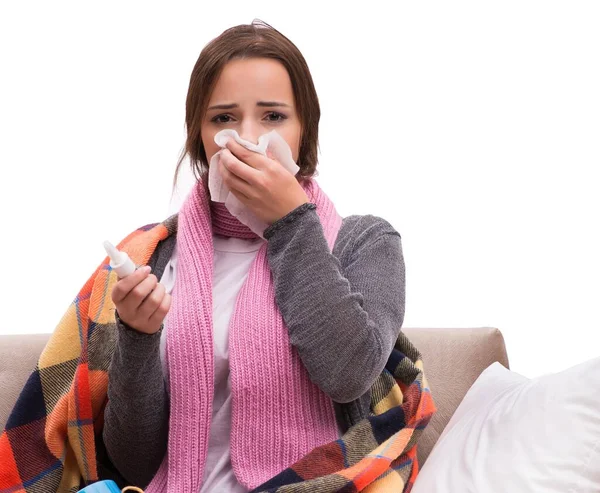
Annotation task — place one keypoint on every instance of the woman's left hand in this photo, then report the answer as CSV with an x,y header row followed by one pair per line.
x,y
261,183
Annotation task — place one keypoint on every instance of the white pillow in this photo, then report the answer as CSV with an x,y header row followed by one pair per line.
x,y
520,435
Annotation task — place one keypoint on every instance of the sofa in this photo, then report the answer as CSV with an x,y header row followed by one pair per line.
x,y
452,359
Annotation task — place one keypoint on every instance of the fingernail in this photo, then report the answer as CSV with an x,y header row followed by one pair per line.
x,y
147,268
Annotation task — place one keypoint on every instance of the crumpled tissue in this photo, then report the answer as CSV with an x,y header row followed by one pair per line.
x,y
219,192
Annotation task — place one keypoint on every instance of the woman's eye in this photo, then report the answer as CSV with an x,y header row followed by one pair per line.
x,y
221,119
272,117
275,117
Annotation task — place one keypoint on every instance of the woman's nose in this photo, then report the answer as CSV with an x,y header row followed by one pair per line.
x,y
249,131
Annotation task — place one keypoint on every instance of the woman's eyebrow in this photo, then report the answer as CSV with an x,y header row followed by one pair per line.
x,y
231,106
224,106
271,103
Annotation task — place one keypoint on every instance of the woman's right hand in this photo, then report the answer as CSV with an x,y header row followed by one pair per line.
x,y
141,301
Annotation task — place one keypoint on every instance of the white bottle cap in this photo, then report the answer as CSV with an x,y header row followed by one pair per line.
x,y
119,261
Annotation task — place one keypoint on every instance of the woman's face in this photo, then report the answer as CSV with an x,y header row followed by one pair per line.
x,y
252,96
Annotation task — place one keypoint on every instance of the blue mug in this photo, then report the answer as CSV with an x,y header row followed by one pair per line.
x,y
101,487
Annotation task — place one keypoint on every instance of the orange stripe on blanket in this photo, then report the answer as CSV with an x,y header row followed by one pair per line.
x,y
56,427
395,445
81,428
365,471
99,388
9,474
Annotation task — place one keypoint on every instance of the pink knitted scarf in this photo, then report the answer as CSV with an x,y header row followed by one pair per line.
x,y
278,414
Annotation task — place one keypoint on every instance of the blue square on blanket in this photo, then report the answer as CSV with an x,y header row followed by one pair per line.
x,y
30,405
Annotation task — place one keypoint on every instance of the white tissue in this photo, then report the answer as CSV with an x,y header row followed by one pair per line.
x,y
219,192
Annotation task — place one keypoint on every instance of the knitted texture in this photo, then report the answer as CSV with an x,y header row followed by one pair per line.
x,y
266,372
226,224
49,441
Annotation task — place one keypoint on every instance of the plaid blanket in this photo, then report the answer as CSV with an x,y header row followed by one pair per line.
x,y
48,444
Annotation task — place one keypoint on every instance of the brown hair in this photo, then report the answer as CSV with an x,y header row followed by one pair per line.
x,y
250,41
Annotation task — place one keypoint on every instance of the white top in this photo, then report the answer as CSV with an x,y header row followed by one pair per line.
x,y
232,260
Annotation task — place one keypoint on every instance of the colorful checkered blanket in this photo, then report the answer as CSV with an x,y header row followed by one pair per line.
x,y
48,444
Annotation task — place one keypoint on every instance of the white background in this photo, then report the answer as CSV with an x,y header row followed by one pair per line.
x,y
473,127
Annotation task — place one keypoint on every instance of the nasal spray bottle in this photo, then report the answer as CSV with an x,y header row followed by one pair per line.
x,y
119,261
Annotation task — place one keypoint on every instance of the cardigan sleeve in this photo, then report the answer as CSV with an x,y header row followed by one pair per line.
x,y
136,417
343,319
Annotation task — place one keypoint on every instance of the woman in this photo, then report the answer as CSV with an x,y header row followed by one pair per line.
x,y
269,344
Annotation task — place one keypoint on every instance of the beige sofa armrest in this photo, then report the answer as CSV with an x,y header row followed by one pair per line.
x,y
18,356
452,360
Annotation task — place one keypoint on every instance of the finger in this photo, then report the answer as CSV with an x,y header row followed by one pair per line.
x,y
125,285
240,169
136,296
236,184
251,158
151,302
161,312
244,199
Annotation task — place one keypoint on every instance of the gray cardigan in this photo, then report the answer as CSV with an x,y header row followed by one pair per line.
x,y
344,311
